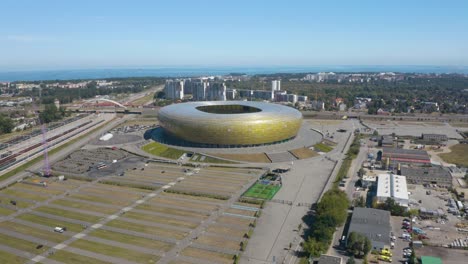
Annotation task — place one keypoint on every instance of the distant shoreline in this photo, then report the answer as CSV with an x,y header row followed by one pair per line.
x,y
39,75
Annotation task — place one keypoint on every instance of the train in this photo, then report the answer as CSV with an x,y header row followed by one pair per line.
x,y
9,160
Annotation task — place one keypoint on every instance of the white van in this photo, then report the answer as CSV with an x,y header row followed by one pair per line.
x,y
59,229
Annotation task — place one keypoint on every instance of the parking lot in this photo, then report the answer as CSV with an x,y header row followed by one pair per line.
x,y
153,212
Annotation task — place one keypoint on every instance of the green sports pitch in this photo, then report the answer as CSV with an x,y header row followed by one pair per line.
x,y
262,191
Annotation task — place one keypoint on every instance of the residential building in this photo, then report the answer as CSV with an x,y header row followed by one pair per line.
x,y
392,186
276,85
428,175
174,89
372,223
199,90
216,92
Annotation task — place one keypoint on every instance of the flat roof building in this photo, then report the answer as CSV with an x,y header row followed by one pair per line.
x,y
439,138
428,175
392,186
372,223
327,259
405,156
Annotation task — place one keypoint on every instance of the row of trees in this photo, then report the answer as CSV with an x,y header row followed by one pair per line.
x,y
331,212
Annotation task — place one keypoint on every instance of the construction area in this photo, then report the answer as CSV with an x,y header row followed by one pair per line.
x,y
153,212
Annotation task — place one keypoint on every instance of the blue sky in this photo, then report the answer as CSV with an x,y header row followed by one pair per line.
x,y
61,34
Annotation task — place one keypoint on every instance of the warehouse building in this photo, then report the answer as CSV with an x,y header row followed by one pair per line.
x,y
405,156
392,186
372,223
386,141
428,175
434,138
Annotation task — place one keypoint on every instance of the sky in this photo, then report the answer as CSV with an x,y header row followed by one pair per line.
x,y
46,34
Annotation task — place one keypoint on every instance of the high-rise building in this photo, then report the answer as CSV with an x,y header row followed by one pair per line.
x,y
174,89
199,89
276,85
216,92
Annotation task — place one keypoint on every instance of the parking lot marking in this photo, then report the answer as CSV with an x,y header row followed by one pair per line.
x,y
38,258
96,226
60,246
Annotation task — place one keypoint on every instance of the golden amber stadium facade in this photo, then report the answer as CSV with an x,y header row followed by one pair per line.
x,y
230,123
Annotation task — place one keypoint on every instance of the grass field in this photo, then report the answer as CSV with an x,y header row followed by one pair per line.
x,y
114,251
254,157
157,149
160,219
157,231
85,206
262,191
9,258
303,153
46,235
321,147
71,258
50,222
458,155
208,255
5,211
69,214
133,240
21,244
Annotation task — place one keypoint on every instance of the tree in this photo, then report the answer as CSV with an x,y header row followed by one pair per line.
x,y
393,207
6,124
358,245
360,202
351,260
315,248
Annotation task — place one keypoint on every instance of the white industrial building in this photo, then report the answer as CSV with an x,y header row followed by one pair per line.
x,y
392,186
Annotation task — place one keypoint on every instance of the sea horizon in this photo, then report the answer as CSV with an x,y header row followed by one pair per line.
x,y
194,71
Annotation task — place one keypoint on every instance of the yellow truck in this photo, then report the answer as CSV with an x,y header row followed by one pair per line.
x,y
385,258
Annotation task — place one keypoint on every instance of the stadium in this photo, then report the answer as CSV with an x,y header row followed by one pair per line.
x,y
229,124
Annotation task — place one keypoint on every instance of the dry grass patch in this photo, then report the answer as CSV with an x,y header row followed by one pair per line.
x,y
254,157
234,221
114,251
240,212
458,155
27,230
218,242
227,231
147,229
160,219
191,197
6,257
39,189
187,204
50,222
21,244
167,210
25,195
208,255
133,240
85,206
303,153
69,214
71,258
6,211
100,199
